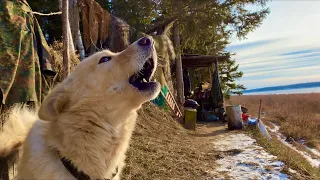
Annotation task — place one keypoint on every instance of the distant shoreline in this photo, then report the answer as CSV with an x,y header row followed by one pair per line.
x,y
288,91
312,87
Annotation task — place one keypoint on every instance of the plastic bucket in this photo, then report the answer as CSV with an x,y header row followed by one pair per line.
x,y
190,118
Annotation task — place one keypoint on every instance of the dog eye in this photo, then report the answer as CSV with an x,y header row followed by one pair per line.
x,y
104,59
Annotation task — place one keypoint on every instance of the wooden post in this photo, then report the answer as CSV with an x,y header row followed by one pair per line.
x,y
179,73
65,34
259,109
177,47
70,44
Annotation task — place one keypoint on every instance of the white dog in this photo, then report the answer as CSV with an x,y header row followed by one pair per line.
x,y
86,122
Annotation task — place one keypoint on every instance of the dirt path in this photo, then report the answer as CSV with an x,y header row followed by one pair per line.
x,y
239,156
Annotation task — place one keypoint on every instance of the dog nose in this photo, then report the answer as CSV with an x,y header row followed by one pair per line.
x,y
144,41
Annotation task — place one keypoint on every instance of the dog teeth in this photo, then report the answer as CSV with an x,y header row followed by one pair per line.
x,y
144,80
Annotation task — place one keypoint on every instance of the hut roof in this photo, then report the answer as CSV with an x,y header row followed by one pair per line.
x,y
196,60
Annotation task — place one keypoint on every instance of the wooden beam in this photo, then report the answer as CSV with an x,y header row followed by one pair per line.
x,y
205,57
201,60
196,65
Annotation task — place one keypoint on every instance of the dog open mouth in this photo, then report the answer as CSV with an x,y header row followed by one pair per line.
x,y
142,79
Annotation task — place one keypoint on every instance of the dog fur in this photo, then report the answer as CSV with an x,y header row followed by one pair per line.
x,y
88,118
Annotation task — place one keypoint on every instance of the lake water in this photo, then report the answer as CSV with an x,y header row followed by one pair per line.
x,y
288,91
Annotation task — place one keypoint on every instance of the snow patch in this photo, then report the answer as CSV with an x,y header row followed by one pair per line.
x,y
315,162
249,161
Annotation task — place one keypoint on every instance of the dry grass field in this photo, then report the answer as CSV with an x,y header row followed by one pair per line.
x,y
297,114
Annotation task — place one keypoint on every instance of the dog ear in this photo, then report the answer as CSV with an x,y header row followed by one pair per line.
x,y
53,104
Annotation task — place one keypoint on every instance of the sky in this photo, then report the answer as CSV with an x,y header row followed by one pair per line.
x,y
285,49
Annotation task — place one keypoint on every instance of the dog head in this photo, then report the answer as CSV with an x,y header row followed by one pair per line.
x,y
106,81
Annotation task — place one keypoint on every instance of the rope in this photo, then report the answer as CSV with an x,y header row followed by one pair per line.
x,y
49,14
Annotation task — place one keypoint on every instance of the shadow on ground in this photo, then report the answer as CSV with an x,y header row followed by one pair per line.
x,y
210,129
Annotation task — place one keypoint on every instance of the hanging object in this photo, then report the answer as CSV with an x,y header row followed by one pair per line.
x,y
186,83
217,96
95,23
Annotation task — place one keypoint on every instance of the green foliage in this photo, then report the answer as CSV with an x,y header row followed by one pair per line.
x,y
138,14
106,4
206,26
217,20
228,75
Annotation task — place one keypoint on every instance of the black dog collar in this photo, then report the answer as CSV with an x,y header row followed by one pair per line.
x,y
79,175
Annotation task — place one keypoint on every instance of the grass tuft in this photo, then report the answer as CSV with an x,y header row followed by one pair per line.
x,y
290,157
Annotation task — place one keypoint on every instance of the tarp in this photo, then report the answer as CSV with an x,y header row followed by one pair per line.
x,y
217,96
95,22
186,82
24,54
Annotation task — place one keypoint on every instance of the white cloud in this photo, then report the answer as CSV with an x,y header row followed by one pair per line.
x,y
277,81
283,71
291,27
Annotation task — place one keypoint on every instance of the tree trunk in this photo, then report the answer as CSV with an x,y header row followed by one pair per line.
x,y
65,34
80,45
72,19
179,73
70,44
75,27
78,37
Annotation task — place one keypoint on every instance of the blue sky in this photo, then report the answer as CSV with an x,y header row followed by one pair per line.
x,y
285,49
